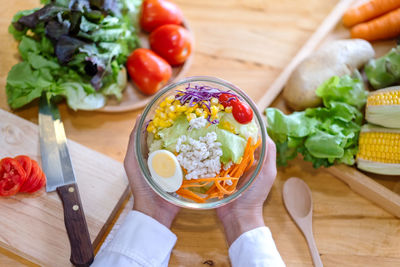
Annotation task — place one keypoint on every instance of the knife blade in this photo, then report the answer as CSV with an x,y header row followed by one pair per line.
x,y
57,166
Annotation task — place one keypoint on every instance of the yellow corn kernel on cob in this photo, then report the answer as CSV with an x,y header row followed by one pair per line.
x,y
383,107
379,150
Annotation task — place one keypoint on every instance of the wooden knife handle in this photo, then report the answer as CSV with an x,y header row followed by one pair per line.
x,y
75,223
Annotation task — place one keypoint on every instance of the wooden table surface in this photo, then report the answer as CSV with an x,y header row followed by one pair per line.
x,y
247,42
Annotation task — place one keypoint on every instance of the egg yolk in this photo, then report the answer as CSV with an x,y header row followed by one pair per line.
x,y
164,165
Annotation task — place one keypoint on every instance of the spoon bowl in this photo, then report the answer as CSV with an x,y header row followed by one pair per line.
x,y
298,198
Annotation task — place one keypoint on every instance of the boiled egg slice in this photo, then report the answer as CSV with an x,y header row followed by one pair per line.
x,y
165,170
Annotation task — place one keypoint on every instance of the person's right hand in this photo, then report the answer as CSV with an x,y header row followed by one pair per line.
x,y
145,199
245,213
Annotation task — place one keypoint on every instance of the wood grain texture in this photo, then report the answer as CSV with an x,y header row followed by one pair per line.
x,y
249,43
32,225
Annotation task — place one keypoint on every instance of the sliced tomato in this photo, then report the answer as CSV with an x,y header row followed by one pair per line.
x,y
41,183
26,163
12,176
33,179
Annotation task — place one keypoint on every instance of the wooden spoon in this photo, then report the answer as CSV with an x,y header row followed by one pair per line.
x,y
298,202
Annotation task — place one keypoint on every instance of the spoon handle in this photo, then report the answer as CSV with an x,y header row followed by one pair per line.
x,y
313,249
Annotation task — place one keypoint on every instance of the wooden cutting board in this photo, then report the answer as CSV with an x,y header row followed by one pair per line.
x,y
32,225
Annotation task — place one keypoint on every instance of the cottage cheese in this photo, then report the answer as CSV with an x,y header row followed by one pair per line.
x,y
197,123
200,158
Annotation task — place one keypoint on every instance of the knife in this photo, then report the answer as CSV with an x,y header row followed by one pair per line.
x,y
57,166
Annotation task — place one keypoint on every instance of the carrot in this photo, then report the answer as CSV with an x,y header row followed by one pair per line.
x,y
222,189
208,179
233,174
194,185
368,10
190,195
384,27
212,195
211,189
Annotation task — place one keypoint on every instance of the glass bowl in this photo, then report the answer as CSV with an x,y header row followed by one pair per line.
x,y
142,149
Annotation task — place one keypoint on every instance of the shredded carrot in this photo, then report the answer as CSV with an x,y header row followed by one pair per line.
x,y
217,189
194,185
212,195
211,189
222,189
190,195
208,179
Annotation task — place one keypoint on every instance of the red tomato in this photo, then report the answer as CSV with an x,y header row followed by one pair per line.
x,y
12,176
171,42
242,112
41,182
149,71
156,13
227,99
33,179
26,163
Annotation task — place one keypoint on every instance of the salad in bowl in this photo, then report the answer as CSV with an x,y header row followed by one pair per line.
x,y
199,142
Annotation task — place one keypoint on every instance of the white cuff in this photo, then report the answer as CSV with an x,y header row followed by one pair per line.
x,y
255,248
143,239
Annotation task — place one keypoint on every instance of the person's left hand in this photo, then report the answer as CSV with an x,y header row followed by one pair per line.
x,y
145,199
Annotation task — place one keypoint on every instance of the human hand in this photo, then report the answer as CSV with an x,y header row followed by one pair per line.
x,y
145,199
245,213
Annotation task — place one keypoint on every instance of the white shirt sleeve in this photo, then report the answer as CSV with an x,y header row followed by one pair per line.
x,y
255,248
140,241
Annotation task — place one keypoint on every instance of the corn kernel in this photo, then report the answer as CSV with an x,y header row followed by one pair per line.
x,y
228,109
190,116
199,111
214,101
156,121
170,99
163,104
214,110
150,128
172,115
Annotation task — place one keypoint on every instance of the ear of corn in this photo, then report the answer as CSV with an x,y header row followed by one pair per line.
x,y
383,107
379,150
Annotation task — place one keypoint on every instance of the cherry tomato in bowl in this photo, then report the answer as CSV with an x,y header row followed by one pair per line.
x,y
242,112
227,99
156,13
171,42
12,176
149,71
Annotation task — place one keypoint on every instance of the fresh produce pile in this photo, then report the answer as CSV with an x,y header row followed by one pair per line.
x,y
20,174
323,135
170,44
77,50
328,92
73,49
201,140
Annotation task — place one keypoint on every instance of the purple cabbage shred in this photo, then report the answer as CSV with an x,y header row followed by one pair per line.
x,y
199,93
